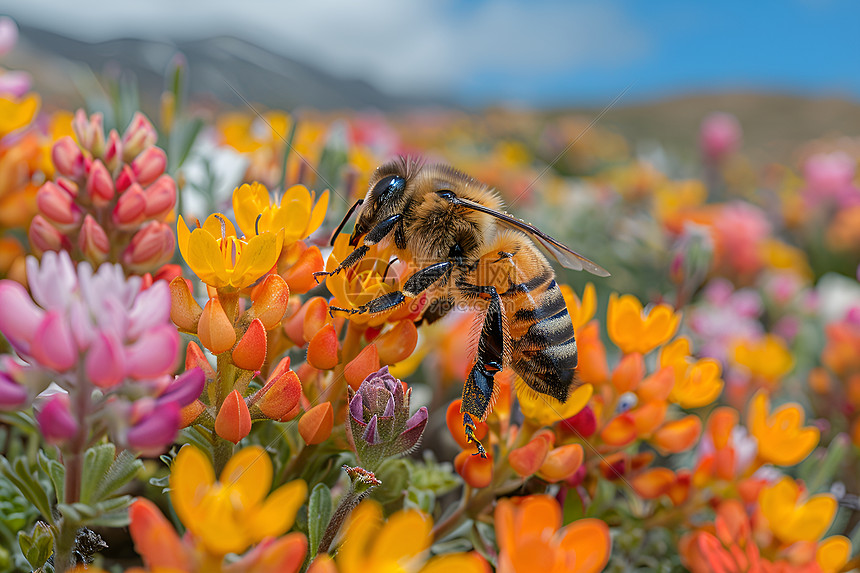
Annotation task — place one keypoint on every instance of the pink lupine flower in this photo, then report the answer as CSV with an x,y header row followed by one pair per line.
x,y
55,420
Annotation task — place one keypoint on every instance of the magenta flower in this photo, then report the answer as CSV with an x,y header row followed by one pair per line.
x,y
830,180
89,330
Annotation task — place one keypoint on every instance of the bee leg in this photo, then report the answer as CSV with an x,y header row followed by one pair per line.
x,y
377,305
422,280
479,387
381,230
350,260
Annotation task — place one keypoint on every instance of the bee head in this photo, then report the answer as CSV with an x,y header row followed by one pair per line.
x,y
383,199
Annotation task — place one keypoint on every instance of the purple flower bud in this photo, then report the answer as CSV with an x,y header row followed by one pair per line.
x,y
12,394
155,430
185,388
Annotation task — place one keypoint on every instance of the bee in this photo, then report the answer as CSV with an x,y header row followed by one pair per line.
x,y
471,251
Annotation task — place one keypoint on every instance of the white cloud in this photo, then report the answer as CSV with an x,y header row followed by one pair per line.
x,y
401,46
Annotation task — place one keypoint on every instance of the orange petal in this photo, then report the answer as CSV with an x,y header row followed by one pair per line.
x,y
678,435
475,470
454,419
322,348
154,538
398,343
620,431
657,386
234,420
360,367
300,276
250,353
589,539
561,463
280,396
315,317
528,459
316,424
653,483
628,373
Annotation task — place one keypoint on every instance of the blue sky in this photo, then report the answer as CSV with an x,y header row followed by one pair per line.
x,y
543,52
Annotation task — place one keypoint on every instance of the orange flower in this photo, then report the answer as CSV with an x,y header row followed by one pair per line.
x,y
530,538
781,438
633,331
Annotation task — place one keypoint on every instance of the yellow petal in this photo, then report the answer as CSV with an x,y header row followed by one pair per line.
x,y
17,114
459,562
204,258
833,553
364,522
404,538
248,473
256,258
278,512
219,226
190,478
248,202
318,213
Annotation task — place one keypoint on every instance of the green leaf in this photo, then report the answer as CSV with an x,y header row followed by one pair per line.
x,y
181,141
38,545
56,472
825,469
70,513
97,461
27,484
574,508
123,469
319,515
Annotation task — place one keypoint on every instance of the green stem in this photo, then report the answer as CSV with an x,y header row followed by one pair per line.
x,y
222,451
298,462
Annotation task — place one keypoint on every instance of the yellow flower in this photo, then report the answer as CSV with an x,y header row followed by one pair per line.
x,y
697,383
791,519
221,259
363,282
673,198
580,311
399,545
767,359
229,515
633,331
296,215
546,410
15,114
781,438
833,553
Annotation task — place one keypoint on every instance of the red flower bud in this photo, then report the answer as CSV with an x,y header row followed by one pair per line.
x,y
68,158
160,197
100,184
278,399
214,329
152,246
270,300
93,241
234,420
316,424
250,352
130,210
363,365
149,165
322,349
139,135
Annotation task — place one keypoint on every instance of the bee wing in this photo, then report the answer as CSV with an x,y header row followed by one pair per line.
x,y
568,258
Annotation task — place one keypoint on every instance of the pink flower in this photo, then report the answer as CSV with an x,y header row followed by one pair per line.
x,y
830,179
8,35
719,136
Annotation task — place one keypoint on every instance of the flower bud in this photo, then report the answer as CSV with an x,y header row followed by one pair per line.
x,y
139,135
316,424
300,276
58,206
55,420
130,209
160,197
215,330
619,431
194,358
68,158
90,131
528,459
250,352
152,246
113,151
561,463
44,236
270,300
125,179
398,343
155,431
678,435
234,420
149,165
322,349
475,470
184,310
12,394
100,186
277,400
93,241
454,420
315,317
153,353
362,366
379,423
719,136
191,413
583,424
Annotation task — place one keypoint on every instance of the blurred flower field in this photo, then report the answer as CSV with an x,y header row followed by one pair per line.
x,y
176,395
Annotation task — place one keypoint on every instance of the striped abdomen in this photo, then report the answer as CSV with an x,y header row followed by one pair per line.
x,y
543,348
